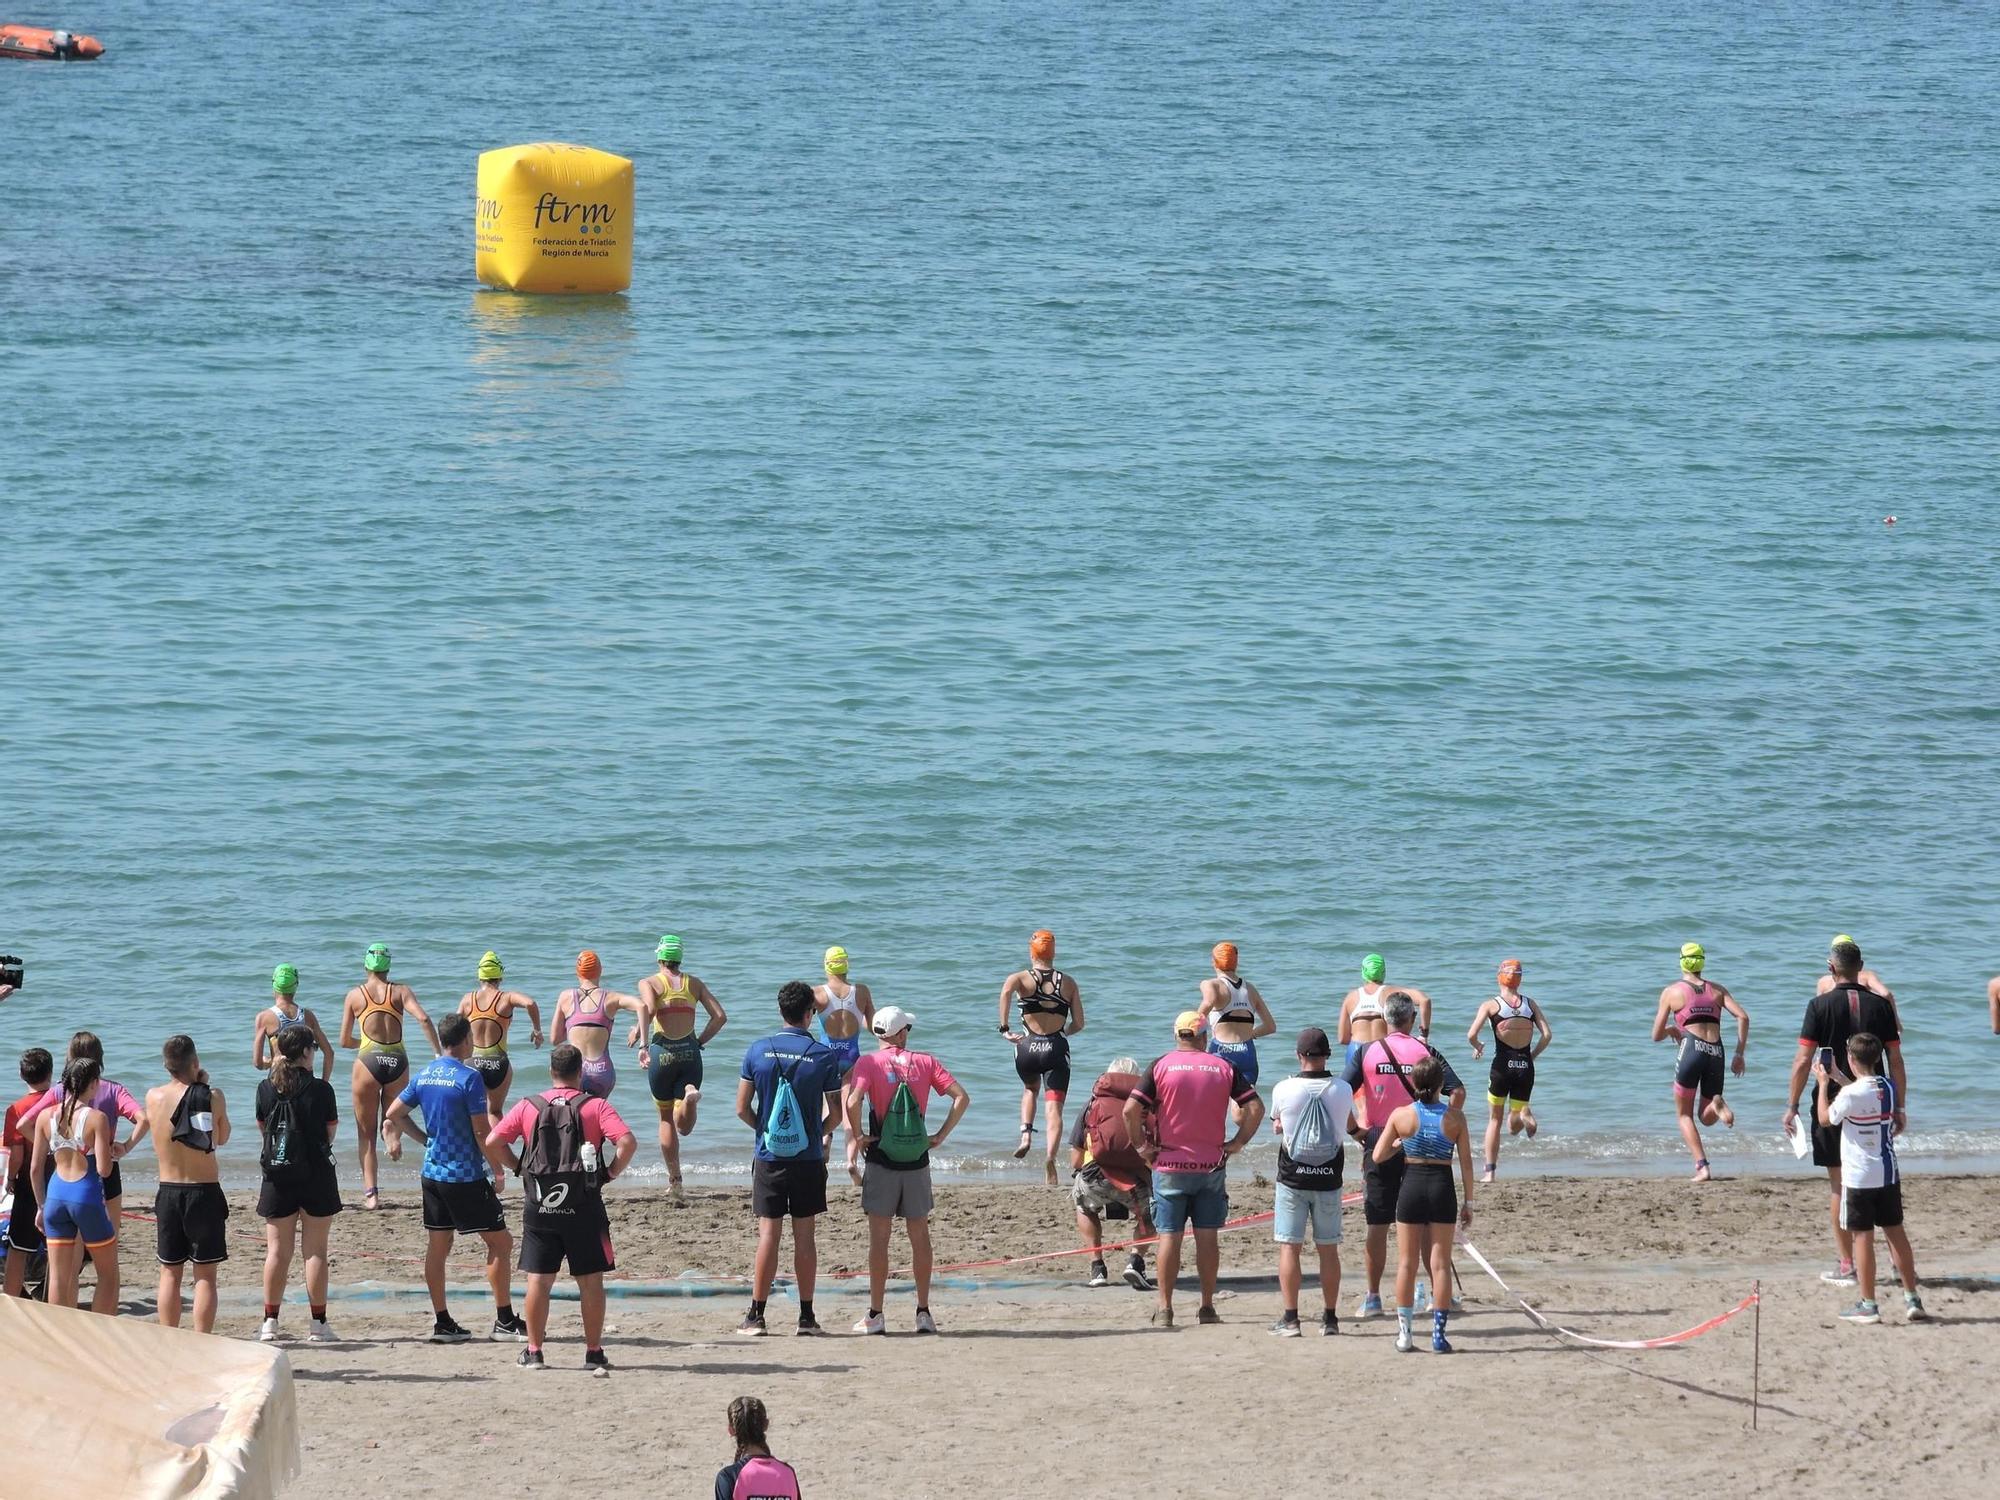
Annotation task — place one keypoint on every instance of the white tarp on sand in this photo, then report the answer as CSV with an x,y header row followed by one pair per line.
x,y
119,1407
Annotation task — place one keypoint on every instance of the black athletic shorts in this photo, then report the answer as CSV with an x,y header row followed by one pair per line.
x,y
193,1223
1381,1182
1428,1194
675,1068
1512,1077
22,1235
1699,1069
318,1197
587,1250
1865,1210
788,1189
462,1207
493,1070
114,1185
1042,1063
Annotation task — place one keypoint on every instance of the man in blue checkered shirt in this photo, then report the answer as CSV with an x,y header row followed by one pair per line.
x,y
458,1186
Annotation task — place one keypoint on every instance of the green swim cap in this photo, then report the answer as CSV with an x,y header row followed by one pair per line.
x,y
489,965
1692,958
377,961
669,951
285,979
1372,968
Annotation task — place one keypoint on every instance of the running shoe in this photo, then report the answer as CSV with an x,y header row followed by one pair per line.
x,y
1287,1328
531,1359
1861,1312
445,1330
597,1363
1841,1275
925,1322
1329,1323
873,1323
267,1331
1135,1276
1207,1314
1404,1343
1371,1306
320,1332
509,1330
1099,1276
1163,1317
752,1326
809,1327
1913,1309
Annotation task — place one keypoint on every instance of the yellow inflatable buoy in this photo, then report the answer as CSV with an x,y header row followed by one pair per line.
x,y
554,218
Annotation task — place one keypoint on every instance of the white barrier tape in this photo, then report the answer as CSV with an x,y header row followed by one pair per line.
x,y
1665,1341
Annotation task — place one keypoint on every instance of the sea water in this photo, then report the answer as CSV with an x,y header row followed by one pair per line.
x,y
1330,480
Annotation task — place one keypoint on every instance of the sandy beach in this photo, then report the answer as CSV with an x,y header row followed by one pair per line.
x,y
1041,1382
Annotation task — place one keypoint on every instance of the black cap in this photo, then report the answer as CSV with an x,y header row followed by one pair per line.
x,y
1313,1043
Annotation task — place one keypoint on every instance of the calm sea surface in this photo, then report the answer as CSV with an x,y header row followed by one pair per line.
x,y
1164,473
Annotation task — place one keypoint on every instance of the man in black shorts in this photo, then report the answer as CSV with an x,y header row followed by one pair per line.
x,y
191,1216
789,1094
563,1133
1832,1019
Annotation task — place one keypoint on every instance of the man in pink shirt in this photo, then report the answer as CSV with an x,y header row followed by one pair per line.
x,y
563,1132
1188,1092
896,1177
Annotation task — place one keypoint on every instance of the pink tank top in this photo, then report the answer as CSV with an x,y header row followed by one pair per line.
x,y
1704,1004
1385,1069
595,1015
766,1479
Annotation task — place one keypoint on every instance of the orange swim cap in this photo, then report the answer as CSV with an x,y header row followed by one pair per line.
x,y
1042,945
587,965
1224,955
1510,971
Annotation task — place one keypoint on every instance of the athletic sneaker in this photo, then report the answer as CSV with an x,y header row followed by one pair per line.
x,y
1135,1276
596,1362
1329,1323
445,1330
1287,1328
925,1322
1207,1314
267,1331
1841,1275
1861,1312
873,1323
1099,1276
509,1330
320,1332
1404,1343
809,1327
1913,1309
752,1326
1163,1317
531,1359
1371,1306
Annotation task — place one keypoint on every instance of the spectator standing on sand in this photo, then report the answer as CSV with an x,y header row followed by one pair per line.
x,y
1313,1113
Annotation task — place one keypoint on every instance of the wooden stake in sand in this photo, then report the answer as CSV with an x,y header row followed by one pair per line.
x,y
1756,1347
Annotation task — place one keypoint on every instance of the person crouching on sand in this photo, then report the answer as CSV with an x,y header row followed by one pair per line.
x,y
1429,1132
563,1133
755,1475
1109,1179
299,1117
892,1086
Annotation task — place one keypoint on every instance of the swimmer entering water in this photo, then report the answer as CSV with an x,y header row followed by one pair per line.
x,y
1517,1022
1690,1013
1364,1013
1235,1013
669,1001
376,1009
1051,1013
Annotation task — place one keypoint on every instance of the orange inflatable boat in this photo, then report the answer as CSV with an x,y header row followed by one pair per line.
x,y
48,43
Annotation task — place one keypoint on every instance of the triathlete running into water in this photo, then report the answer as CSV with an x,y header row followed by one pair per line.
x,y
282,1015
1430,1133
1690,1013
375,1009
1051,1013
1235,1012
583,1019
669,1002
491,1009
846,1009
1520,1035
1364,1013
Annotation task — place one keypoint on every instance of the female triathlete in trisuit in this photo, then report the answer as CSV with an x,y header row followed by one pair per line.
x,y
72,1157
282,1015
583,1019
491,1009
1235,1012
373,1016
1363,1014
669,1001
1051,1013
846,1009
1690,1013
1517,1023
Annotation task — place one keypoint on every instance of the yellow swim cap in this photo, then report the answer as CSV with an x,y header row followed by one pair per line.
x,y
489,965
1842,937
1692,958
836,961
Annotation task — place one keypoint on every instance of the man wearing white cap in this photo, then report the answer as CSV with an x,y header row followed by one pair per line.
x,y
893,1085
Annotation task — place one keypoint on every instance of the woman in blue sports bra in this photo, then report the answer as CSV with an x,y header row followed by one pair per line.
x,y
1429,1132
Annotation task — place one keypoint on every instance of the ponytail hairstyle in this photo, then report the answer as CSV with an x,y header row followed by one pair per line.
x,y
86,1044
295,1044
79,1082
748,1424
1427,1078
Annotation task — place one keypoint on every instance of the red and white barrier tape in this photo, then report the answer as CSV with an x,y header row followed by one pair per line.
x,y
1663,1342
